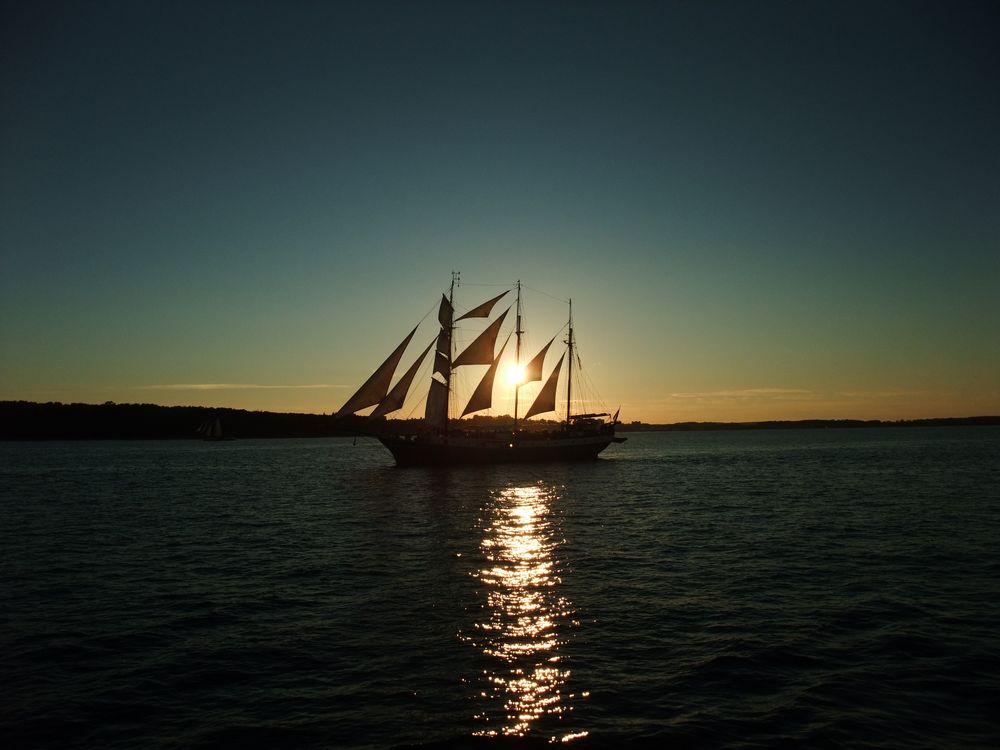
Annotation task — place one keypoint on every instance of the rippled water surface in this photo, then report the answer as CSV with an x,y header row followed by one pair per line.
x,y
725,589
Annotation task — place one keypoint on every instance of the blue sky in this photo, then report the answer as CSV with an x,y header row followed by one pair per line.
x,y
761,210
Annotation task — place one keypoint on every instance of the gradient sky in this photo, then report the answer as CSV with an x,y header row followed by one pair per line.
x,y
762,210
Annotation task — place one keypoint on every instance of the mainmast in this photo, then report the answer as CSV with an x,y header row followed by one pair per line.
x,y
517,351
569,371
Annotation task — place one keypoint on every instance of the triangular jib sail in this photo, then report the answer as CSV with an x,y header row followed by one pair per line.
x,y
377,386
397,395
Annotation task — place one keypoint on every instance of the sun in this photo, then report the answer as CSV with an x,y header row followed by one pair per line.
x,y
514,374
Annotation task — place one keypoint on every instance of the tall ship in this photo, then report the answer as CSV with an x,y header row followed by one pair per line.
x,y
440,439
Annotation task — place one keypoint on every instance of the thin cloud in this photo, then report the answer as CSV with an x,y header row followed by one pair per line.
x,y
233,387
888,394
775,393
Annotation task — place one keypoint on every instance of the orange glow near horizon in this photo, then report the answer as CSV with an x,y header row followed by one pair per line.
x,y
639,404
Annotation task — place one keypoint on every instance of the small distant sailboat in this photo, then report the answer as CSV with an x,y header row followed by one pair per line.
x,y
442,440
211,430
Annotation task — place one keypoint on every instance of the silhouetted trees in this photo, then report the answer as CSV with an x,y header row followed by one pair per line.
x,y
26,420
23,420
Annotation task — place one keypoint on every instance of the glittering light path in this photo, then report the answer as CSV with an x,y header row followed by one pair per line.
x,y
521,630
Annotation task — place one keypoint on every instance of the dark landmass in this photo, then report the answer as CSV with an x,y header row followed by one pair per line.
x,y
25,420
805,424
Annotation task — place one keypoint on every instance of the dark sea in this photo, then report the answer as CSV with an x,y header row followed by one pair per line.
x,y
801,588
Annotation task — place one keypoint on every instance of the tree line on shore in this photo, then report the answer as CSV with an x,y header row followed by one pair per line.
x,y
26,420
23,420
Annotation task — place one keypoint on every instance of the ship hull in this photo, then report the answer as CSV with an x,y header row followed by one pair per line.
x,y
447,451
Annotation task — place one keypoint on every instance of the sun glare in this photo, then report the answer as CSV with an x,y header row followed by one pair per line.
x,y
524,617
515,374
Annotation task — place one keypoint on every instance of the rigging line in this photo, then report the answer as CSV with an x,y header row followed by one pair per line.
x,y
589,392
421,377
429,311
564,300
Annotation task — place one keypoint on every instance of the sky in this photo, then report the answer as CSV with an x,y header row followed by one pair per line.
x,y
767,210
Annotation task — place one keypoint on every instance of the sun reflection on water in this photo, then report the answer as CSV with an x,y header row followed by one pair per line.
x,y
524,616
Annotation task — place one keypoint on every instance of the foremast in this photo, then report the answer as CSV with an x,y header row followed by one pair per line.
x,y
456,280
569,369
436,407
480,352
517,354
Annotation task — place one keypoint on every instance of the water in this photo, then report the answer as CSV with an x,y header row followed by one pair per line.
x,y
729,589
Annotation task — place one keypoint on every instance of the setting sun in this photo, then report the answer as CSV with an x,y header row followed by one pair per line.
x,y
514,374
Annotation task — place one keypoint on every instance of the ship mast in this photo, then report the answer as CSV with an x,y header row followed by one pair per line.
x,y
569,371
517,351
455,281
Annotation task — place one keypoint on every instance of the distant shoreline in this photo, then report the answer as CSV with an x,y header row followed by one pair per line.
x,y
27,420
808,424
